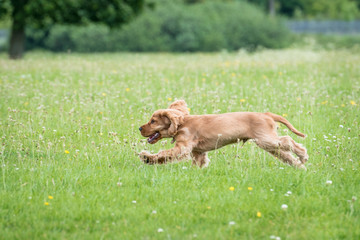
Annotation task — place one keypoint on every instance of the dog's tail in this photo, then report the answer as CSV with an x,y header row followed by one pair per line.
x,y
278,118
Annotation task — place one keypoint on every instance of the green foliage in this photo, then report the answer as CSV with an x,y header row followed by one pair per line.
x,y
41,13
335,9
321,9
176,27
210,26
44,13
93,37
4,8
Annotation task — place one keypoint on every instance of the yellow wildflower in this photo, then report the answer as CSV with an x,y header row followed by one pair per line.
x,y
242,100
342,105
127,89
284,115
26,103
169,99
46,203
324,102
208,207
352,102
250,188
104,94
258,214
203,79
189,109
50,197
280,73
231,188
67,152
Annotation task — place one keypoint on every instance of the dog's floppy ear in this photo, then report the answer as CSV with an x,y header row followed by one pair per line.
x,y
181,106
176,119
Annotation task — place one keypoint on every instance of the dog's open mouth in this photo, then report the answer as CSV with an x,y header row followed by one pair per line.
x,y
153,137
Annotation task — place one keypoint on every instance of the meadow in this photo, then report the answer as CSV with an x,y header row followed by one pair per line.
x,y
69,140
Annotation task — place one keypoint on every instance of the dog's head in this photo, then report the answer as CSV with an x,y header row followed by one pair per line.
x,y
164,123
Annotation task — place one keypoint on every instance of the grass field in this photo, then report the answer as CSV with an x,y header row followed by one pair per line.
x,y
69,138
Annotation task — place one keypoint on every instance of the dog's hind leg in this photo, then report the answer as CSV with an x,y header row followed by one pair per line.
x,y
288,144
200,159
287,157
274,147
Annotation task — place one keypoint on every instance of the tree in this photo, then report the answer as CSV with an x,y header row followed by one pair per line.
x,y
269,5
272,7
334,9
42,13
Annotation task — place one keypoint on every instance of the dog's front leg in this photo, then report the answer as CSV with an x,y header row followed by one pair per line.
x,y
179,152
147,157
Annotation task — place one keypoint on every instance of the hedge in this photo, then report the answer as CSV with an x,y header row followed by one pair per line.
x,y
174,27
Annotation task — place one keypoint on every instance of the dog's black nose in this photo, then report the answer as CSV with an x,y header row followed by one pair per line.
x,y
140,128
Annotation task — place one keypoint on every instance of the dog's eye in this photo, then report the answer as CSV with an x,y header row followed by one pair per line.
x,y
152,121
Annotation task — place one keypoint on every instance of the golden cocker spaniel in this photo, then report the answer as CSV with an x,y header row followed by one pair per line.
x,y
195,135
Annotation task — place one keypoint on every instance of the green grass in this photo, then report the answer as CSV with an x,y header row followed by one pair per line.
x,y
329,41
92,105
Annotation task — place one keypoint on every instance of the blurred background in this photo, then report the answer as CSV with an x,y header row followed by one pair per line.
x,y
176,25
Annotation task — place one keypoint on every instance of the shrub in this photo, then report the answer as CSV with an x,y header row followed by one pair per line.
x,y
209,26
61,38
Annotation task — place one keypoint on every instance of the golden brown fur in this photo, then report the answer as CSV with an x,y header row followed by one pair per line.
x,y
195,135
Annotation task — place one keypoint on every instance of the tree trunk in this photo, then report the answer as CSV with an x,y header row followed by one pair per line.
x,y
272,7
17,41
17,37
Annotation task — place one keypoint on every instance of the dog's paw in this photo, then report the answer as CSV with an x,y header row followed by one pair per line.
x,y
301,166
146,157
303,159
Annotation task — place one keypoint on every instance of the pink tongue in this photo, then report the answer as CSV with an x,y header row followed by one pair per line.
x,y
153,137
